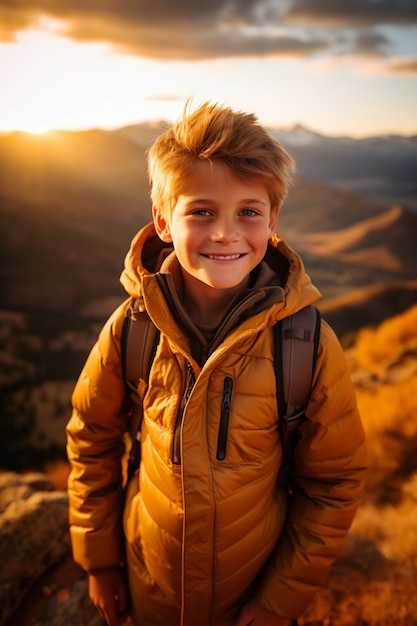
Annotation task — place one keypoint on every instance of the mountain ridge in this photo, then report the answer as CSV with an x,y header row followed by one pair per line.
x,y
79,198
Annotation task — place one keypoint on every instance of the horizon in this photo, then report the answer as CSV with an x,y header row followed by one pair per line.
x,y
39,134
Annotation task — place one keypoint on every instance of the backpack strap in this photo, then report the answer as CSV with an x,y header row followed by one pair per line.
x,y
296,342
138,342
138,346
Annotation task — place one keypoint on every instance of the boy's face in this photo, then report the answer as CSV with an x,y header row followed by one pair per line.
x,y
219,227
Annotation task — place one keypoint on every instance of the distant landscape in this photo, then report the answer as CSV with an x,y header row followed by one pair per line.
x,y
71,202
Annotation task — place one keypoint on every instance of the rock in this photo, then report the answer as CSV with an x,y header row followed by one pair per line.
x,y
33,535
68,605
50,592
15,487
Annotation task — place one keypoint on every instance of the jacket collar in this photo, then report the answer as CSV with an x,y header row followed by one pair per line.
x,y
279,287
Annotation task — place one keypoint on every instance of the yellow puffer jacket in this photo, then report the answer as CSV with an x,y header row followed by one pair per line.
x,y
205,525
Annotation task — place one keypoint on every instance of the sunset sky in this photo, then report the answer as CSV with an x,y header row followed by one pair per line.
x,y
340,67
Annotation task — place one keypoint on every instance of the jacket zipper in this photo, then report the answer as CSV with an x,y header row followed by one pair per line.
x,y
224,418
176,443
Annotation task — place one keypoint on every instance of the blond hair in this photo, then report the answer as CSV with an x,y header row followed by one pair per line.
x,y
216,132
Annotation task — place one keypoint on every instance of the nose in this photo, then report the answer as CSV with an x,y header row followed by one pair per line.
x,y
225,230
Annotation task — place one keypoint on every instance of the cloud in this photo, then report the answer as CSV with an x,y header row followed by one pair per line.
x,y
13,20
190,30
370,43
203,44
161,29
344,13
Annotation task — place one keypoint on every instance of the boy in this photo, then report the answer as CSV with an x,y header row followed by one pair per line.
x,y
207,536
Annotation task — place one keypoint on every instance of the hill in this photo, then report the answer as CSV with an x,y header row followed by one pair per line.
x,y
348,242
70,204
367,306
379,168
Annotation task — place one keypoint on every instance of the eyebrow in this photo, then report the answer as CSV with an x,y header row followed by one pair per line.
x,y
242,201
255,200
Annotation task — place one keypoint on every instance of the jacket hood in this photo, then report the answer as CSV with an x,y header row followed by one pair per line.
x,y
282,266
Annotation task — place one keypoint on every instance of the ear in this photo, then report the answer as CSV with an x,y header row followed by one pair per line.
x,y
273,219
161,225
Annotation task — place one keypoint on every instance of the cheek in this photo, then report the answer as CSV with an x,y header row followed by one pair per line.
x,y
184,249
260,237
186,239
177,235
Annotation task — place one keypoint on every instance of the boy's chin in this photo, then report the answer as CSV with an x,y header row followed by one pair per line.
x,y
206,283
227,285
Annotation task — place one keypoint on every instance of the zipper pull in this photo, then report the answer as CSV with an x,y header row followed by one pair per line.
x,y
226,407
190,381
227,396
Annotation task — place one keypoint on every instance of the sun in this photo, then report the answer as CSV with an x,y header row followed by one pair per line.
x,y
32,121
38,131
36,127
50,83
31,127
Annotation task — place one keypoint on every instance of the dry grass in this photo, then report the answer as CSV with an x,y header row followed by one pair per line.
x,y
388,403
389,414
377,347
392,527
372,583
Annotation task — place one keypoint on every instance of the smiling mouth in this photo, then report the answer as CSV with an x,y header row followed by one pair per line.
x,y
223,257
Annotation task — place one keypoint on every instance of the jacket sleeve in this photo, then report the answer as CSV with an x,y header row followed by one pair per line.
x,y
95,436
330,462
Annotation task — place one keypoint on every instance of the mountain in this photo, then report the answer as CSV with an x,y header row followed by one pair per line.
x,y
367,306
380,168
70,204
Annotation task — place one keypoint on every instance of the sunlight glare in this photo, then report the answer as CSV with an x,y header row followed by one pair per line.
x,y
37,129
54,83
48,80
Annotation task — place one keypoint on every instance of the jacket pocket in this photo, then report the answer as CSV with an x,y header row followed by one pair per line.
x,y
224,418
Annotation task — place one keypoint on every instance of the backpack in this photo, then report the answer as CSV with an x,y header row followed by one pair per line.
x,y
295,350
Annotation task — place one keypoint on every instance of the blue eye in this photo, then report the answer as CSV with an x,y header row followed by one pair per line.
x,y
249,212
204,212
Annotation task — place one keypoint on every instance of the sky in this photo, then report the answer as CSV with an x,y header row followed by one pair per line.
x,y
338,67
